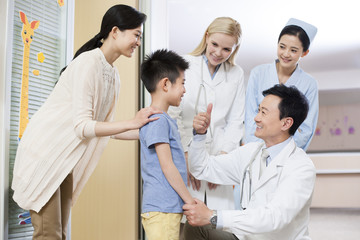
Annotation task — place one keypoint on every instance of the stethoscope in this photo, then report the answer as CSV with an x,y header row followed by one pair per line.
x,y
248,172
202,88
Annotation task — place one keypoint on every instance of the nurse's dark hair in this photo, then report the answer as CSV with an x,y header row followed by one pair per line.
x,y
121,16
293,104
297,31
161,64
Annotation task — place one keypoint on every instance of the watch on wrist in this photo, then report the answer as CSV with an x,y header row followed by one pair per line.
x,y
194,132
213,219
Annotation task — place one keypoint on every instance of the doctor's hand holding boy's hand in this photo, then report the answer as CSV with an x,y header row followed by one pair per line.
x,y
201,121
197,214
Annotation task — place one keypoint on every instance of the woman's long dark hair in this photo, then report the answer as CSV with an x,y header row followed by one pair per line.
x,y
122,16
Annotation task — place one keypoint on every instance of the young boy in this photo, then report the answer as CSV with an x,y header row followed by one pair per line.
x,y
163,166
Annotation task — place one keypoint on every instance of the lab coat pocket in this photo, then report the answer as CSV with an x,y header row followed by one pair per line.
x,y
271,187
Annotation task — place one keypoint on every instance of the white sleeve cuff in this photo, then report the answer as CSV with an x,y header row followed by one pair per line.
x,y
199,137
219,224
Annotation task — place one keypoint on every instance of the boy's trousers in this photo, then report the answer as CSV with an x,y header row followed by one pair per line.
x,y
161,226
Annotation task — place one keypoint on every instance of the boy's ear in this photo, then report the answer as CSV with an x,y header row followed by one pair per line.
x,y
165,84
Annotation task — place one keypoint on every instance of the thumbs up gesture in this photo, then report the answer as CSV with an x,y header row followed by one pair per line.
x,y
202,120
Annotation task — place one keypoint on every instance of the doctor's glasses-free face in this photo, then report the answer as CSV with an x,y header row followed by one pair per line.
x,y
219,48
268,122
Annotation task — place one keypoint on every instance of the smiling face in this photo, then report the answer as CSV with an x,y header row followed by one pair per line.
x,y
177,90
129,40
219,47
289,51
269,126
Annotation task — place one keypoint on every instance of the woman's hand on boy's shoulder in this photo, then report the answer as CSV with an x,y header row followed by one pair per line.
x,y
142,117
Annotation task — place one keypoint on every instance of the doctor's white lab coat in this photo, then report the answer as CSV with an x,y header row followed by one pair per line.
x,y
227,94
280,199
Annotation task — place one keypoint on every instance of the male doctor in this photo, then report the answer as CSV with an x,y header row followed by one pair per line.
x,y
277,177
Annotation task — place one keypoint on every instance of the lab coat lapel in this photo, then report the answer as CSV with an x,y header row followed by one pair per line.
x,y
274,168
206,74
219,76
256,169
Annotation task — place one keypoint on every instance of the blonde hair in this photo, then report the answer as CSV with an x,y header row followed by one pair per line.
x,y
225,25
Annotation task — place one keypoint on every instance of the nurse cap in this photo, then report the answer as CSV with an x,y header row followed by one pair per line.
x,y
309,29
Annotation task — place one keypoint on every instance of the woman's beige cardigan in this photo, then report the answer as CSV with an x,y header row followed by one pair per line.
x,y
60,136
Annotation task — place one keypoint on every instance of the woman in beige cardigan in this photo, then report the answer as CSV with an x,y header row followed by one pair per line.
x,y
66,136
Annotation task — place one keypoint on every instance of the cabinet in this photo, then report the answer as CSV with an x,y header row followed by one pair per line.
x,y
335,148
338,127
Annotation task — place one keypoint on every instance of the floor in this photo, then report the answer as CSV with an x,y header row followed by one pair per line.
x,y
334,224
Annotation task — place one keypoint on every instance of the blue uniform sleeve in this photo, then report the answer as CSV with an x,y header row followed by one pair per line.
x,y
306,130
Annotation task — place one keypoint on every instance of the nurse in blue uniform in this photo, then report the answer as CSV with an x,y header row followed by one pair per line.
x,y
293,44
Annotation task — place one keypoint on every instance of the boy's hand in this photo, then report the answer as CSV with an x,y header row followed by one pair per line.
x,y
202,120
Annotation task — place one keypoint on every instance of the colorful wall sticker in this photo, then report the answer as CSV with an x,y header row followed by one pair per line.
x,y
61,2
27,34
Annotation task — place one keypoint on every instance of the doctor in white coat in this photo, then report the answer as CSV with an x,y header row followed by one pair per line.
x,y
277,186
214,77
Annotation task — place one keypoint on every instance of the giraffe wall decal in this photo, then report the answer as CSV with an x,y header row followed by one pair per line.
x,y
27,34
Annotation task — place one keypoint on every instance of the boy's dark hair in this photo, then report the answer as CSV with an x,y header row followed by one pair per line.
x,y
161,64
293,104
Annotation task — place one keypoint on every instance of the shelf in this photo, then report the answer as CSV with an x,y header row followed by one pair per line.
x,y
337,171
332,154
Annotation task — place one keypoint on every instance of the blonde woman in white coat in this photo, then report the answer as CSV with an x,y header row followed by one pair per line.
x,y
214,78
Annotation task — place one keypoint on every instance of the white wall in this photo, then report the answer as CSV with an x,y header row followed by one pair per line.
x,y
338,79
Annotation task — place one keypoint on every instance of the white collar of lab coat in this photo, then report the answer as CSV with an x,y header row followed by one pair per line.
x,y
220,76
274,168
